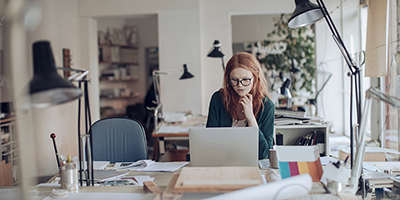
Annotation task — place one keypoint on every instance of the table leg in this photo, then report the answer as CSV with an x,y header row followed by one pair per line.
x,y
156,151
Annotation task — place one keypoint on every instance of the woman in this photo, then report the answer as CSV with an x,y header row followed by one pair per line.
x,y
244,100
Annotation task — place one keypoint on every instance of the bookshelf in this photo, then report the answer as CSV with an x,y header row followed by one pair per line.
x,y
290,133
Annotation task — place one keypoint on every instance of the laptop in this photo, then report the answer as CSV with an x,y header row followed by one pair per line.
x,y
233,146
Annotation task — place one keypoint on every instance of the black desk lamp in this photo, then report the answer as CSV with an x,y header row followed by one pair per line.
x,y
156,73
307,13
216,52
286,92
48,88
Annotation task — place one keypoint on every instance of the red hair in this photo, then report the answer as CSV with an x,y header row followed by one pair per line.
x,y
229,96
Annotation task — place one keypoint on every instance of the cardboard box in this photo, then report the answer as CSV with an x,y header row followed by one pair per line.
x,y
371,154
296,160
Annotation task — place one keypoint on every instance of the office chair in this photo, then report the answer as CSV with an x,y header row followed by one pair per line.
x,y
118,140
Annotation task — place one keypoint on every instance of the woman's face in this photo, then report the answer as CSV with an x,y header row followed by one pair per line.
x,y
241,80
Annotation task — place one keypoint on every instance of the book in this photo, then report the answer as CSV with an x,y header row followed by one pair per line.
x,y
286,112
379,179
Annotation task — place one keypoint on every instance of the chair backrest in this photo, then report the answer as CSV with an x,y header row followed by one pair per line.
x,y
118,140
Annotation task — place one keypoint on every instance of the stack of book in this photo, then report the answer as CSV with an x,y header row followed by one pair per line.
x,y
380,180
290,117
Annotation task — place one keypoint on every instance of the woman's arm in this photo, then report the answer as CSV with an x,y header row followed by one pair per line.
x,y
266,129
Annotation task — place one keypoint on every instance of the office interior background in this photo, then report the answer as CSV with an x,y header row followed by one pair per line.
x,y
182,31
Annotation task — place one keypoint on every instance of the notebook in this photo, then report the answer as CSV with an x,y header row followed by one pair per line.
x,y
233,146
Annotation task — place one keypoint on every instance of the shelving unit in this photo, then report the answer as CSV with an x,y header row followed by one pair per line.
x,y
290,133
9,175
118,66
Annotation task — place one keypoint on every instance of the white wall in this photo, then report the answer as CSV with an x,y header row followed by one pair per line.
x,y
148,37
334,100
59,26
214,18
249,28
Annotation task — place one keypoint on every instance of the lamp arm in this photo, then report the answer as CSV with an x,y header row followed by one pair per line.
x,y
78,76
71,69
172,71
336,36
380,96
357,167
319,91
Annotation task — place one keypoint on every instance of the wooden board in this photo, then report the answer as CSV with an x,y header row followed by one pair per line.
x,y
368,156
168,192
5,174
217,179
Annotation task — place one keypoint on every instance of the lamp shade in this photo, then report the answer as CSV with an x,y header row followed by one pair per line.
x,y
47,87
304,14
285,88
186,74
216,51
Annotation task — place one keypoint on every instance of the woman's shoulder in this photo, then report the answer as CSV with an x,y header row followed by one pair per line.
x,y
217,94
268,102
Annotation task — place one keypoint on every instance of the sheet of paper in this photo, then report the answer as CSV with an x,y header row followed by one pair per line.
x,y
326,159
174,117
172,129
163,167
140,179
132,165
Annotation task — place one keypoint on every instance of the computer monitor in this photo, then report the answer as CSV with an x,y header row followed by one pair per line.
x,y
233,146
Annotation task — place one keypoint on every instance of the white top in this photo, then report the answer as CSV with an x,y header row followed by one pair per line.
x,y
239,123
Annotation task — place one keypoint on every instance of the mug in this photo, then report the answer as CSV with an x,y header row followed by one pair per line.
x,y
273,161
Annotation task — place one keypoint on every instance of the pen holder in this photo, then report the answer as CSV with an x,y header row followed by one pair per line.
x,y
69,176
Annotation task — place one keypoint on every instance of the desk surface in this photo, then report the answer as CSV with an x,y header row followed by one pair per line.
x,y
162,180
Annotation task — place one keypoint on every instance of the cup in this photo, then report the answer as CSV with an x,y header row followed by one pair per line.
x,y
69,176
273,161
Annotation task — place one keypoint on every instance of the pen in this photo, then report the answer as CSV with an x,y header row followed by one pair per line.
x,y
346,160
53,136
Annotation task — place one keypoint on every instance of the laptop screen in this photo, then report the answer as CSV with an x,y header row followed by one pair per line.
x,y
233,146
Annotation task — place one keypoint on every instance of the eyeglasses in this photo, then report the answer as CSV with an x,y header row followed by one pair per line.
x,y
244,82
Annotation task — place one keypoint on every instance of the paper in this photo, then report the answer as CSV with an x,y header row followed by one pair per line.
x,y
326,159
163,167
284,189
174,117
132,165
140,179
106,175
173,129
150,166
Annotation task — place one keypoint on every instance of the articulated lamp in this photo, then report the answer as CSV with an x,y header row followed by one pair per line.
x,y
307,13
371,93
286,92
158,109
48,88
216,52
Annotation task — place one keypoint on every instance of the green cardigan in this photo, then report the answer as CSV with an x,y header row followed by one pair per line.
x,y
218,117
